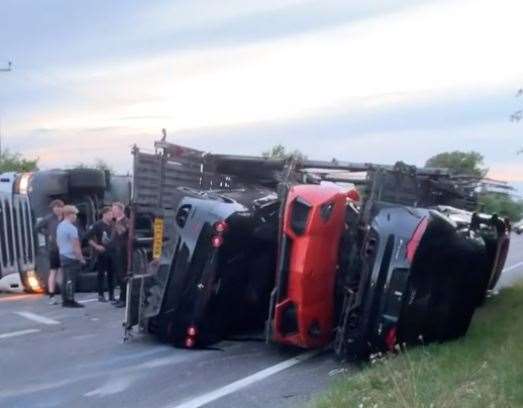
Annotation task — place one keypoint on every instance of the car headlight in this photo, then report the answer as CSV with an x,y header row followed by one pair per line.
x,y
33,282
23,184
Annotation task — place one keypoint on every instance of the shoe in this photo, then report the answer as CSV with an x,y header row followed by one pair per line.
x,y
72,304
102,299
119,304
52,300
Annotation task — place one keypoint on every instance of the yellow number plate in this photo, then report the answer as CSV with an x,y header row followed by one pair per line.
x,y
158,238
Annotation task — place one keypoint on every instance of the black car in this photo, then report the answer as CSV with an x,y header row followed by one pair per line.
x,y
411,273
222,268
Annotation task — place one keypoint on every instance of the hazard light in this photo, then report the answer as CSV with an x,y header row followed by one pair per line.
x,y
217,241
190,342
220,227
192,331
391,339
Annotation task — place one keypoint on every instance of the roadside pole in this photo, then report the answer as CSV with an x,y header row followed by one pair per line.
x,y
9,68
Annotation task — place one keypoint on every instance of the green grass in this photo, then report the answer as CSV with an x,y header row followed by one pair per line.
x,y
483,369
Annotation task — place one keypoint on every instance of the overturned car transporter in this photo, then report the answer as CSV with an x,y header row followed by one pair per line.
x,y
223,244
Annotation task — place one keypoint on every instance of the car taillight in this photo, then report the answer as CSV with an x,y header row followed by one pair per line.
x,y
190,342
353,195
391,338
413,244
220,227
192,331
217,241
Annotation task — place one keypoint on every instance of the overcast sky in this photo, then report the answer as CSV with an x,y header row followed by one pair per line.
x,y
357,80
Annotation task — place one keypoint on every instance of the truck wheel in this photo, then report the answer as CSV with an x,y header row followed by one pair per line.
x,y
50,183
87,179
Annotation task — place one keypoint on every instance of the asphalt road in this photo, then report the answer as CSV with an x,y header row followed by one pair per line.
x,y
55,357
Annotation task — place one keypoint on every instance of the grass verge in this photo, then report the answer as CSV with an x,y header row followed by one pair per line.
x,y
483,369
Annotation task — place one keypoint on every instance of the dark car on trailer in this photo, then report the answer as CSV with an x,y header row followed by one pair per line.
x,y
411,274
221,273
212,266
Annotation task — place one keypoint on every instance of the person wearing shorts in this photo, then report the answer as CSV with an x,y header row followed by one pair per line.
x,y
47,226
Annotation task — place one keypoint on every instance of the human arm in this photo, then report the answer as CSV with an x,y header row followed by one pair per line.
x,y
97,247
42,226
93,239
77,247
78,250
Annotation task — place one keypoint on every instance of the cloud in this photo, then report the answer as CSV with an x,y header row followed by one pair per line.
x,y
405,83
387,60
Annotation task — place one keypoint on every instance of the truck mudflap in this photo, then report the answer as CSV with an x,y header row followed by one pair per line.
x,y
149,277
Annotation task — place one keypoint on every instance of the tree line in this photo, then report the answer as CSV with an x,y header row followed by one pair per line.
x,y
458,162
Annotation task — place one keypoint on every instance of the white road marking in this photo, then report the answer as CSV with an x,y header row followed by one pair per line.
x,y
245,382
37,318
512,267
18,333
88,300
113,386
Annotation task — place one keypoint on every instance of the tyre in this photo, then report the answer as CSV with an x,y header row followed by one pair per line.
x,y
501,258
50,183
444,287
87,179
459,288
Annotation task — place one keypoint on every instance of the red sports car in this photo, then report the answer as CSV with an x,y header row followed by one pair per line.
x,y
303,299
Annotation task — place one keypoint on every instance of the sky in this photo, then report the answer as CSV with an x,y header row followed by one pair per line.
x,y
376,81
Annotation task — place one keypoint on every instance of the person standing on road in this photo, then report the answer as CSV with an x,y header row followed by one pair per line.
x,y
119,238
47,226
99,236
71,256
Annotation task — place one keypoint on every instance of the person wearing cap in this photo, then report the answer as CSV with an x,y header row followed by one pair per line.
x,y
71,256
47,226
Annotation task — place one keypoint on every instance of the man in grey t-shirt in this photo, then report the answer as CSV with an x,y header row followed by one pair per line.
x,y
71,256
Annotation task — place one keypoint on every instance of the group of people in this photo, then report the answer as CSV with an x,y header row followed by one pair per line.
x,y
107,238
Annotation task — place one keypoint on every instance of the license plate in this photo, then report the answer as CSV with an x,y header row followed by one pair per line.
x,y
158,238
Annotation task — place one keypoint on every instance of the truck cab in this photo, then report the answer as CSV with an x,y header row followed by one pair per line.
x,y
17,246
24,201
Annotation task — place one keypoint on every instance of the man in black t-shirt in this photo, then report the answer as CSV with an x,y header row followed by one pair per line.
x,y
100,239
47,226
